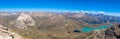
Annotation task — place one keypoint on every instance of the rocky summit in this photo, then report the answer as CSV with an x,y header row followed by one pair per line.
x,y
53,25
23,21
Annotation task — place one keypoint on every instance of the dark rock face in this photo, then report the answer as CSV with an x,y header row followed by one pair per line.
x,y
113,32
109,34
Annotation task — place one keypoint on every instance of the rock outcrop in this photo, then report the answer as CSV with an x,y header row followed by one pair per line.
x,y
6,34
113,32
23,21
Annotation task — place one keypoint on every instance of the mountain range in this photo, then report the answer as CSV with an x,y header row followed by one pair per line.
x,y
53,25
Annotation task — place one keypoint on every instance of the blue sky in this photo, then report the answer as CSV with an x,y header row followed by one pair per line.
x,y
60,5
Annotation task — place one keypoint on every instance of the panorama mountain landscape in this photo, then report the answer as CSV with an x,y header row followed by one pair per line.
x,y
53,25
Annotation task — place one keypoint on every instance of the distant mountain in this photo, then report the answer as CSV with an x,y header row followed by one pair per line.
x,y
93,18
23,21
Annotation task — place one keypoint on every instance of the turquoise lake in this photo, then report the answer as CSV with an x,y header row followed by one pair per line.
x,y
89,29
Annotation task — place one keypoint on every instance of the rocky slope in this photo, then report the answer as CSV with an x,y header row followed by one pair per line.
x,y
6,34
113,32
110,33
